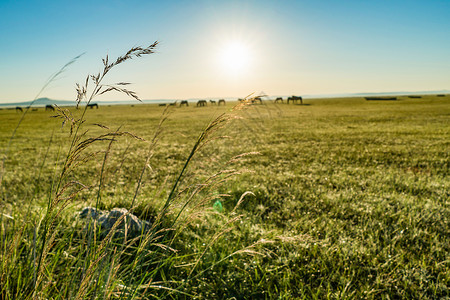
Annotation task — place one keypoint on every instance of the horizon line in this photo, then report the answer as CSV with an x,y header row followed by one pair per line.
x,y
311,96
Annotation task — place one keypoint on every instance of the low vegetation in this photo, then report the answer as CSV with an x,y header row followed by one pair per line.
x,y
335,199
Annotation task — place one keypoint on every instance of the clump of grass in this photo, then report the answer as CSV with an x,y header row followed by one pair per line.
x,y
66,188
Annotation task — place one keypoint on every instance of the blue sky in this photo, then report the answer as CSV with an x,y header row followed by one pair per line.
x,y
291,47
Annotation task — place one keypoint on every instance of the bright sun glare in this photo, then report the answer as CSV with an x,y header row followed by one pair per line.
x,y
235,57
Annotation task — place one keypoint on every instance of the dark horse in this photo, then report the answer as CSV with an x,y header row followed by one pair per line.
x,y
279,99
202,103
221,101
49,107
295,99
256,99
184,102
18,108
91,106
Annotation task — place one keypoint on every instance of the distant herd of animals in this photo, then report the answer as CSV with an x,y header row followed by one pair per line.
x,y
256,100
293,99
200,103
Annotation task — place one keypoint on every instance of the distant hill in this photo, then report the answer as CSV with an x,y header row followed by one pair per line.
x,y
40,102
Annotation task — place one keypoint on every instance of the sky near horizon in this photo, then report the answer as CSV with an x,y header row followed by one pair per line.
x,y
212,49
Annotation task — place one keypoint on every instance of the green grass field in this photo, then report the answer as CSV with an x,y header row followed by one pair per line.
x,y
349,200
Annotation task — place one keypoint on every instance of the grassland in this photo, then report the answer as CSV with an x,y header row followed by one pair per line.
x,y
350,199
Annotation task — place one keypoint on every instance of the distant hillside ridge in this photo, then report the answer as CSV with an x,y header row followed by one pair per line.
x,y
41,102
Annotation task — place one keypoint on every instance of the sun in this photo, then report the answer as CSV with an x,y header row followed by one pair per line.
x,y
235,57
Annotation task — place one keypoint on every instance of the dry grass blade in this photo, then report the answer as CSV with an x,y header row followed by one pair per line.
x,y
241,199
78,145
118,89
134,52
101,126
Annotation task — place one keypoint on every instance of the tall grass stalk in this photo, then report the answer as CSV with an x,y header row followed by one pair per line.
x,y
79,144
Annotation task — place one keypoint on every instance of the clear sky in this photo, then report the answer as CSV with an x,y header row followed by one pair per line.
x,y
211,49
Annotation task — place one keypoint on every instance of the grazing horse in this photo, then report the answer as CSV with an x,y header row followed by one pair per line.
x,y
295,99
92,105
213,102
202,103
162,104
49,107
257,99
279,99
18,108
184,102
173,103
221,101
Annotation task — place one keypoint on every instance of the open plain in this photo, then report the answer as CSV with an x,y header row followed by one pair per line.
x,y
333,199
